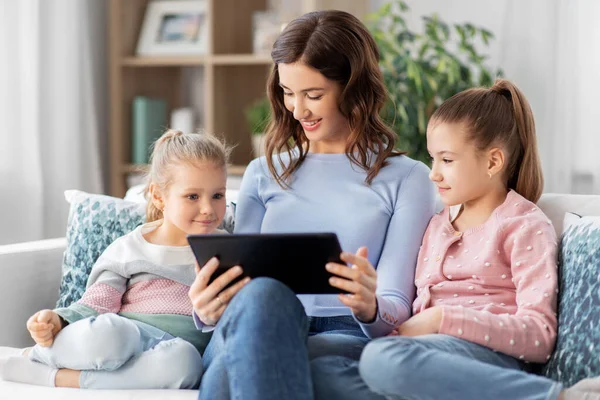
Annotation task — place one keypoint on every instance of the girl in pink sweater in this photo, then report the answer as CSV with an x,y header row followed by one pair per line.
x,y
486,278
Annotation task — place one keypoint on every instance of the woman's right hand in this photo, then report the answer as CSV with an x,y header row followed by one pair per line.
x,y
210,301
43,326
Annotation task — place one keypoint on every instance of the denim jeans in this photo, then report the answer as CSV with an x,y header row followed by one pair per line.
x,y
335,336
113,352
261,346
431,367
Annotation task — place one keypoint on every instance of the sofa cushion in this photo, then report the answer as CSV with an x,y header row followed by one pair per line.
x,y
12,390
576,353
95,221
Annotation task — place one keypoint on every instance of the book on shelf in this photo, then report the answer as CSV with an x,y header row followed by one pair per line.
x,y
148,123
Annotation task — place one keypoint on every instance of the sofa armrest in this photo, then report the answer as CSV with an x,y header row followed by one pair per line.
x,y
30,277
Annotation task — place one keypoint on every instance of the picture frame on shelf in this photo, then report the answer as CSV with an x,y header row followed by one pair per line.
x,y
267,26
170,28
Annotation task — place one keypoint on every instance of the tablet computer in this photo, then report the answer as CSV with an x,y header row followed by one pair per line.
x,y
296,259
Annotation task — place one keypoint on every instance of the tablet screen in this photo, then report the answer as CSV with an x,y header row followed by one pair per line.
x,y
296,259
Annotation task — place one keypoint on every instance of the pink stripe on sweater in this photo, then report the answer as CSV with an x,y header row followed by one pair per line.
x,y
102,297
157,296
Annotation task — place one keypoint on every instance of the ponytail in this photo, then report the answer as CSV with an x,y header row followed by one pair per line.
x,y
500,115
524,171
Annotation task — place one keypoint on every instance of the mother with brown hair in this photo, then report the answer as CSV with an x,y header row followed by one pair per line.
x,y
331,165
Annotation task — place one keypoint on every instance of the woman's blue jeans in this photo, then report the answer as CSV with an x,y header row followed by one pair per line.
x,y
262,345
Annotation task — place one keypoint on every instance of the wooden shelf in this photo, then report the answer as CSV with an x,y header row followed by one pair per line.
x,y
240,59
233,77
163,61
236,170
134,168
217,59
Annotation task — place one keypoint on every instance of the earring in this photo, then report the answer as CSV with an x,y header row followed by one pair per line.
x,y
490,174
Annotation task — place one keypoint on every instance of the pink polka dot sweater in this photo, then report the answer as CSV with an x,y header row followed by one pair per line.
x,y
496,283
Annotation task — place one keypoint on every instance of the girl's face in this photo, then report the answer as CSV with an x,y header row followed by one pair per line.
x,y
314,102
194,203
459,169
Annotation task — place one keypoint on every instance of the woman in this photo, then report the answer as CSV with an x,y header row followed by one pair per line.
x,y
330,165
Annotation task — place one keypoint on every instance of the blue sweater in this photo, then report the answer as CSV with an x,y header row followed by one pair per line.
x,y
329,194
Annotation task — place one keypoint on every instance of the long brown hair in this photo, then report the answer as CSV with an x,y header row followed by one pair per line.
x,y
340,47
175,147
500,115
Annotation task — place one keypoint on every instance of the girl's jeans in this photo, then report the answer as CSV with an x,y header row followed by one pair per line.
x,y
430,367
113,352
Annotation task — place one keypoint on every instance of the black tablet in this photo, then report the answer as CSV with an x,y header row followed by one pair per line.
x,y
296,259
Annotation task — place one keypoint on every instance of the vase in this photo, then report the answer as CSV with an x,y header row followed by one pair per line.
x,y
258,145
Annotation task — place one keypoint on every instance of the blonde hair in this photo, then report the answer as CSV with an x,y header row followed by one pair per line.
x,y
175,147
500,115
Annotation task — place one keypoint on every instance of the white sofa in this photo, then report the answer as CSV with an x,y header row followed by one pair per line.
x,y
30,276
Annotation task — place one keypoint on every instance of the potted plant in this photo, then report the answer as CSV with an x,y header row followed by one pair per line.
x,y
258,115
423,70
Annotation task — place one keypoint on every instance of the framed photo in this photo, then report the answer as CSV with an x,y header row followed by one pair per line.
x,y
174,28
266,28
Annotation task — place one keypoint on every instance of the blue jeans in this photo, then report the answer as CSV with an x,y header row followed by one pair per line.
x,y
335,336
261,346
431,367
113,352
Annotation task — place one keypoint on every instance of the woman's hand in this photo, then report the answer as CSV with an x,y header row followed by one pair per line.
x,y
360,281
43,326
424,323
210,301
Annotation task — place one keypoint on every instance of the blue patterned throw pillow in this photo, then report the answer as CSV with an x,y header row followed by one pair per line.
x,y
95,221
578,344
228,222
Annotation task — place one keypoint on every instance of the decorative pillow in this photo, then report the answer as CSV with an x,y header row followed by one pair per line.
x,y
95,221
578,342
228,222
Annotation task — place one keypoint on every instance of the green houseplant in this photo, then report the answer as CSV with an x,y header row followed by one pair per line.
x,y
422,70
257,117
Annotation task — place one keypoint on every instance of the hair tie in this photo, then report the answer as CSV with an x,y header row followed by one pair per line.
x,y
504,92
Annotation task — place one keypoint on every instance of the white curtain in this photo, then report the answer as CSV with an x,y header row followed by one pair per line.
x,y
52,111
551,49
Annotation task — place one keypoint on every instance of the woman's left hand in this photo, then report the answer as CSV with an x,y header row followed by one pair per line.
x,y
360,281
424,323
